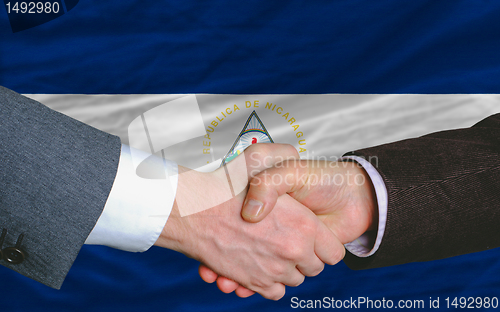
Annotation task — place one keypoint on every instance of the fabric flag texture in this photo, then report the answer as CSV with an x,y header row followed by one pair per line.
x,y
323,126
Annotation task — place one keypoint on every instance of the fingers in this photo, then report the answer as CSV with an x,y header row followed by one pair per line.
x,y
314,267
206,274
327,246
243,292
226,285
267,186
275,292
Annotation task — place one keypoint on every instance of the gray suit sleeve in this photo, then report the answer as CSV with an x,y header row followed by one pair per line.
x,y
55,176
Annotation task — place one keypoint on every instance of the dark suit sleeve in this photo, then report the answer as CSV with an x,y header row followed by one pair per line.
x,y
443,195
55,177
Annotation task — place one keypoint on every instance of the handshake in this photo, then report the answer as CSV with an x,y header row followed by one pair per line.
x,y
292,218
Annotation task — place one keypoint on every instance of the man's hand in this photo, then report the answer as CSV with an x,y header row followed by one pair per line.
x,y
263,257
339,193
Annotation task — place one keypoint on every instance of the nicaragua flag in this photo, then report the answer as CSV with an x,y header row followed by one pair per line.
x,y
324,126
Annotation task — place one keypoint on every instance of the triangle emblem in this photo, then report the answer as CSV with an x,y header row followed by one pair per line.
x,y
253,132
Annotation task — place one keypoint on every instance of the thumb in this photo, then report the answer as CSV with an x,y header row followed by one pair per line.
x,y
265,188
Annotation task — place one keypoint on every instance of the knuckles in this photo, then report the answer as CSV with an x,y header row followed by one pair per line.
x,y
317,271
298,281
260,282
301,244
294,252
337,255
274,294
278,270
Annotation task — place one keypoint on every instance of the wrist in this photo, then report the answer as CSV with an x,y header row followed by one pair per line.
x,y
173,235
177,234
370,199
361,188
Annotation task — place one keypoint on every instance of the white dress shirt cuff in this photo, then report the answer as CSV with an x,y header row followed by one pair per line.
x,y
367,244
137,207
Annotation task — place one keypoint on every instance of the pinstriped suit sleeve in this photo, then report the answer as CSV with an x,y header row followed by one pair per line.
x,y
443,195
55,176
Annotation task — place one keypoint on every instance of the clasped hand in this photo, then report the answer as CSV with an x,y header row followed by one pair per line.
x,y
296,216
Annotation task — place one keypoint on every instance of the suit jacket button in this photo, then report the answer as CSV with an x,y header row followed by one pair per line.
x,y
13,255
